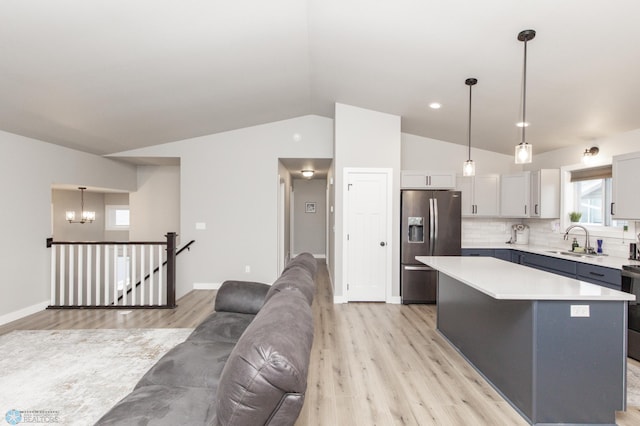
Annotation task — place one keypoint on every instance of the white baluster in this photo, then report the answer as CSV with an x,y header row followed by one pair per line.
x,y
62,279
115,275
151,278
133,275
98,281
142,281
160,274
72,256
88,283
79,284
54,248
106,275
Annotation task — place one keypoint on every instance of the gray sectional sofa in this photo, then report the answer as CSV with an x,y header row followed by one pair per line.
x,y
245,364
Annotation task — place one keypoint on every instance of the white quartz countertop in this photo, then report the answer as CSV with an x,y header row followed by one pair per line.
x,y
605,261
510,281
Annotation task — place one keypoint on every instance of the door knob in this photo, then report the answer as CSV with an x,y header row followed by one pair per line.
x,y
382,244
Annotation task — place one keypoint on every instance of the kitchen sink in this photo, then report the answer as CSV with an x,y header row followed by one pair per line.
x,y
574,254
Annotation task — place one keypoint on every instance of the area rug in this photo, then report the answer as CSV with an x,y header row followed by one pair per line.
x,y
73,377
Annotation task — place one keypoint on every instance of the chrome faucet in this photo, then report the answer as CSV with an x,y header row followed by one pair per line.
x,y
587,244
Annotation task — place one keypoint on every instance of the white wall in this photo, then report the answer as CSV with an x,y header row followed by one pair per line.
x,y
622,143
419,153
28,169
155,206
369,139
229,181
309,228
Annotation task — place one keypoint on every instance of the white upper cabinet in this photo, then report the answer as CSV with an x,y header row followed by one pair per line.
x,y
480,195
515,192
545,194
625,172
416,179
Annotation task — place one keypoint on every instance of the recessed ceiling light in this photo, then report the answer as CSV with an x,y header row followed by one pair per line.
x,y
521,124
435,105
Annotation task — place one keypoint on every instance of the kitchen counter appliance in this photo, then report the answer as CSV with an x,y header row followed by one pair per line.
x,y
519,234
631,284
431,226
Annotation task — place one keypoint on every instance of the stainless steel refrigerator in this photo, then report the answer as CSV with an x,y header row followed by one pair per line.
x,y
430,227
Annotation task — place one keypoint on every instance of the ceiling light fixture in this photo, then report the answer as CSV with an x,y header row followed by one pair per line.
x,y
589,153
435,105
469,167
524,152
307,173
85,216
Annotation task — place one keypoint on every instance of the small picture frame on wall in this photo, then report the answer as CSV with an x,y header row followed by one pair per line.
x,y
309,207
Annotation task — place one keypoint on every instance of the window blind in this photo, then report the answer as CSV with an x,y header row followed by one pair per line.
x,y
600,172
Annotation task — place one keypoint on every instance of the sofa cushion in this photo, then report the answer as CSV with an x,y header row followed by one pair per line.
x,y
221,327
191,363
163,405
267,370
245,297
303,260
296,278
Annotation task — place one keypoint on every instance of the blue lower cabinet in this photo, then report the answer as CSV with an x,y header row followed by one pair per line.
x,y
477,252
607,277
504,254
600,275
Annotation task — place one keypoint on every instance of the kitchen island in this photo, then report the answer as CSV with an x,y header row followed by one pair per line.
x,y
554,347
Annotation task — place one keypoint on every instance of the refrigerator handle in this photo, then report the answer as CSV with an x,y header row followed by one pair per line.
x,y
431,226
435,231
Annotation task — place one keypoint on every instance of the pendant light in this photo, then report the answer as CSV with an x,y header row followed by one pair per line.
x,y
85,216
469,168
524,152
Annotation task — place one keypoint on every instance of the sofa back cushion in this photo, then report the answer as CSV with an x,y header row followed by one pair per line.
x,y
299,274
265,377
305,261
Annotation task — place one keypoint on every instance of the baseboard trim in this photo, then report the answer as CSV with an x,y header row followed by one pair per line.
x,y
24,312
394,300
206,286
339,300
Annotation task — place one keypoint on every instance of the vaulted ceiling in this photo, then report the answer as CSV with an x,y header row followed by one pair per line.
x,y
105,76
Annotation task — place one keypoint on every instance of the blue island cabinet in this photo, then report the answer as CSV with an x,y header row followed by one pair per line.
x,y
556,353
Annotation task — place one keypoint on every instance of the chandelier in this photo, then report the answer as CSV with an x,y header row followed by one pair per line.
x,y
85,216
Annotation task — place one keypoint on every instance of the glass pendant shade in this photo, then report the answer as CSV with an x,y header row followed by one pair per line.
x,y
524,153
469,168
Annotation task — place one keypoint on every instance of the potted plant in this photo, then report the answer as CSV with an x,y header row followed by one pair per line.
x,y
575,216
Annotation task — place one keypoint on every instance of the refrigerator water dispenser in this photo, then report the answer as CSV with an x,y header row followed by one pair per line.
x,y
416,229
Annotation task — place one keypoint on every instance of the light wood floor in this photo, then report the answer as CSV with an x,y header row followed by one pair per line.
x,y
371,363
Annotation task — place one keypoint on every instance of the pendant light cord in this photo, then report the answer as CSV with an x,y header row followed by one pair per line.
x,y
524,93
470,86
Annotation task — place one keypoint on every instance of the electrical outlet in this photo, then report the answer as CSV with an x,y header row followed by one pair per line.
x,y
580,311
247,269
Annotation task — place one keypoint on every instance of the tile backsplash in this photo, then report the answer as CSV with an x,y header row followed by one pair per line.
x,y
543,232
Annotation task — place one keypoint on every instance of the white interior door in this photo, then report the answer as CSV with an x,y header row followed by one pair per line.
x,y
368,231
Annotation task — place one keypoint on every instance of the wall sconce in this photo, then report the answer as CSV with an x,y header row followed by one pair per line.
x,y
308,173
85,216
589,153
